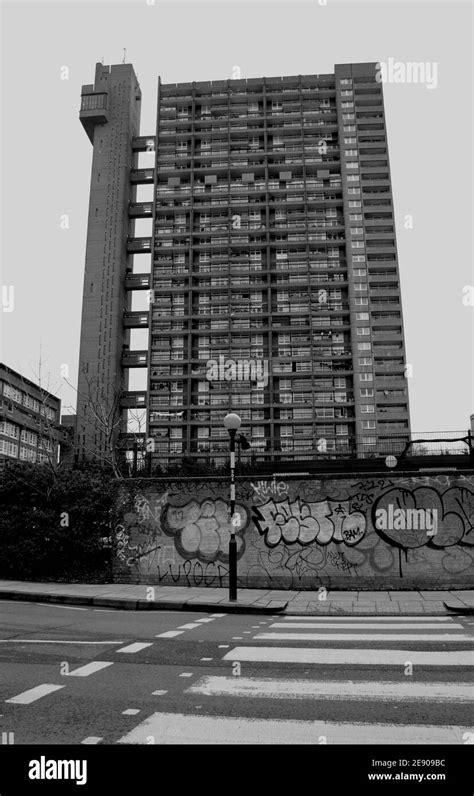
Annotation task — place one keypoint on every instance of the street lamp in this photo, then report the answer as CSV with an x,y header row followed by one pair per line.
x,y
232,423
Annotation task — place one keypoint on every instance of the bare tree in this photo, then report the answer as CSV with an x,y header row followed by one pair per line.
x,y
102,412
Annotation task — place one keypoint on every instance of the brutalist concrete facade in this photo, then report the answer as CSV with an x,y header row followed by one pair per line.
x,y
110,114
273,241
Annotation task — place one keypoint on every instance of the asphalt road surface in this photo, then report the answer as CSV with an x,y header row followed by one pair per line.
x,y
95,676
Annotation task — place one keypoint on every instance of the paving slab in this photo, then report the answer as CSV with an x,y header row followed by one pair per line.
x,y
133,597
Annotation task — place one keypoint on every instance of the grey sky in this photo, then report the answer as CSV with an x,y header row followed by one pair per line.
x,y
47,155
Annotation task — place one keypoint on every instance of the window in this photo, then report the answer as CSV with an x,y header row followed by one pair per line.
x,y
367,409
356,230
352,165
342,430
349,153
353,178
368,424
349,128
362,316
350,140
360,272
13,393
9,448
9,429
367,392
364,347
366,377
357,244
355,217
365,361
354,204
361,302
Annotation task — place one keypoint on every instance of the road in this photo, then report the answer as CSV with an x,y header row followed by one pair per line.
x,y
95,676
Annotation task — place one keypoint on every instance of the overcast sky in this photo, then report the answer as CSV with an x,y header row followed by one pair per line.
x,y
47,156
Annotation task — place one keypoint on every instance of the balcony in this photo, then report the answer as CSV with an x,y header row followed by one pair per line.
x,y
140,210
139,245
141,176
133,400
135,320
143,143
134,359
137,281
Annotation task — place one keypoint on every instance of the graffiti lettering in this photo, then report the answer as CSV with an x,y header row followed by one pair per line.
x,y
322,521
264,488
307,533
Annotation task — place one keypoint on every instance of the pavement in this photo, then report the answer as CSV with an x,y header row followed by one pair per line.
x,y
137,597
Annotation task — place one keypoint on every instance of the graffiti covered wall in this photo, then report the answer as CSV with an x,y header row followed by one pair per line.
x,y
296,533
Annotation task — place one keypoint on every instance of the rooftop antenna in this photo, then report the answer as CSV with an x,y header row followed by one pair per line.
x,y
124,55
102,62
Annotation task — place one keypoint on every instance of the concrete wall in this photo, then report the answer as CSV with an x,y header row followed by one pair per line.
x,y
300,533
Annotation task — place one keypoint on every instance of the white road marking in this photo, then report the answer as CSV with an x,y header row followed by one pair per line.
x,y
89,668
189,626
237,638
452,638
135,647
130,712
399,618
91,739
186,674
170,634
34,693
337,689
158,693
172,728
67,607
224,646
205,620
364,657
363,626
52,641
217,616
206,659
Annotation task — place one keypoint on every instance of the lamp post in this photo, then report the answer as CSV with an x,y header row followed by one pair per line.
x,y
232,423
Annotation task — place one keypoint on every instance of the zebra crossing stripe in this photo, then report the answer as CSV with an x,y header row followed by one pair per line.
x,y
338,689
451,638
172,728
382,619
362,626
358,657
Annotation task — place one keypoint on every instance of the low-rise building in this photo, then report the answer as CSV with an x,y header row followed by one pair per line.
x,y
30,428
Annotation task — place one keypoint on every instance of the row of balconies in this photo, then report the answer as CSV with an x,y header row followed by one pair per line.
x,y
143,245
